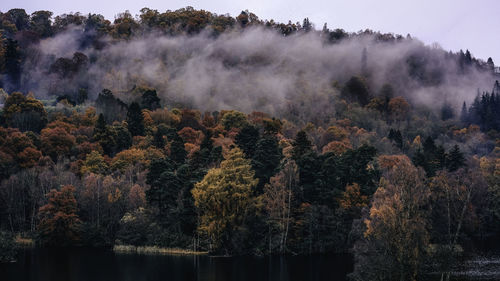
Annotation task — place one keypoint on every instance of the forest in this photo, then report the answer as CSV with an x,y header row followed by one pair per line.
x,y
242,136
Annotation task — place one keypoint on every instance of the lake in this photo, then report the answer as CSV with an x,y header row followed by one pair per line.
x,y
105,265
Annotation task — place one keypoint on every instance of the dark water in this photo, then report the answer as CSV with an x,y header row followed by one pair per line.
x,y
104,265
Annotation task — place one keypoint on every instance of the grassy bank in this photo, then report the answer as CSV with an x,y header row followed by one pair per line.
x,y
24,241
153,250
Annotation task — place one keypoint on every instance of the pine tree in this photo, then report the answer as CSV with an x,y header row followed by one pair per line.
x,y
135,120
156,195
301,145
464,116
12,63
447,112
150,100
396,137
266,159
456,159
177,151
247,139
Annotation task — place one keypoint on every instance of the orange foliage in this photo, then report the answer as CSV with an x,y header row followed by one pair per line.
x,y
56,142
29,157
337,147
137,197
399,108
61,124
352,198
387,162
59,224
190,135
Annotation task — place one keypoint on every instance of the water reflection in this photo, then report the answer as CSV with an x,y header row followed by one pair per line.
x,y
95,265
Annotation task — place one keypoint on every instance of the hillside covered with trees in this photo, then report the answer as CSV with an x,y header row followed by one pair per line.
x,y
241,136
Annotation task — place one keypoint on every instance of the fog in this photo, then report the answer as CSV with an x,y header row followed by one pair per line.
x,y
254,69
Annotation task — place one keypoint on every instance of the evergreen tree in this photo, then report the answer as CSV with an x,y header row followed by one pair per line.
x,y
135,120
464,116
177,151
301,145
265,160
100,127
12,64
160,175
396,137
150,100
447,112
355,90
247,139
455,159
158,139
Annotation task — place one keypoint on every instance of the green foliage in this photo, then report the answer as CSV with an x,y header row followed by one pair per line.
x,y
135,228
150,100
224,199
355,90
94,163
266,160
135,121
301,145
27,114
247,139
234,119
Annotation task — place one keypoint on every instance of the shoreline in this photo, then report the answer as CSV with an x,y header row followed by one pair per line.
x,y
154,250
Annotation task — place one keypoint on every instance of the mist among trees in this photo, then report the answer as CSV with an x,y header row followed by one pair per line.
x,y
242,136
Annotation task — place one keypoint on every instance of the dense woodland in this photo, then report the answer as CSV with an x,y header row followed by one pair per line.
x,y
357,164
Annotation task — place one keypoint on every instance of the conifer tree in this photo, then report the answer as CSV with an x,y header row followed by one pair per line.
x,y
135,120
455,159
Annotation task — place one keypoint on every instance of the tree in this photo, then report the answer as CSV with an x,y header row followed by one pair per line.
x,y
12,64
94,163
399,108
41,23
100,127
266,160
301,145
453,202
464,117
135,228
164,186
59,222
19,18
25,113
56,142
135,120
396,137
177,150
234,119
150,100
355,90
246,139
8,249
277,199
455,159
112,108
396,238
224,198
447,112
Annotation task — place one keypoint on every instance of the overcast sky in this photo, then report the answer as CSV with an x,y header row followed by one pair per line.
x,y
454,24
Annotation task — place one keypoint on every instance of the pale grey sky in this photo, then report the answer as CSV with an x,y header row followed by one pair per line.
x,y
454,24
